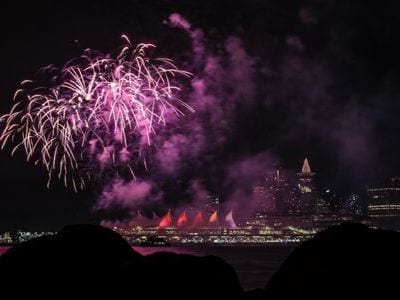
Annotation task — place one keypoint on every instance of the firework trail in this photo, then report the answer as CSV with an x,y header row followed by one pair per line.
x,y
99,111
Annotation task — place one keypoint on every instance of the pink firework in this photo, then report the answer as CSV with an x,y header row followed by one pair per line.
x,y
103,111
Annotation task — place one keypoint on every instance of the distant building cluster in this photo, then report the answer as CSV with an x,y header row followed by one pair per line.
x,y
286,207
6,238
281,195
285,195
15,237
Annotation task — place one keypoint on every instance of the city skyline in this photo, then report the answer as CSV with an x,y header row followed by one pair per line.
x,y
276,196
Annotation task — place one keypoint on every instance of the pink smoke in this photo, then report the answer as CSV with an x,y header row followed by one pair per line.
x,y
295,42
222,85
241,68
105,156
125,194
171,152
179,21
241,176
199,192
199,49
307,16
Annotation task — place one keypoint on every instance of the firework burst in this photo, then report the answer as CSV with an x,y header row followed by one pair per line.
x,y
100,111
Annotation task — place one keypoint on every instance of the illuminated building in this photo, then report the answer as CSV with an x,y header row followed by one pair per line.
x,y
213,220
283,193
384,204
263,198
306,202
272,196
353,205
166,221
182,220
5,238
384,200
229,222
15,237
287,208
212,204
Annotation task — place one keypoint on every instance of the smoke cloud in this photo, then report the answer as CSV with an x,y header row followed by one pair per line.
x,y
124,194
240,178
252,108
179,21
222,85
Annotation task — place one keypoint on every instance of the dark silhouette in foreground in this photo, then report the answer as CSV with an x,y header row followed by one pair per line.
x,y
89,259
342,261
349,259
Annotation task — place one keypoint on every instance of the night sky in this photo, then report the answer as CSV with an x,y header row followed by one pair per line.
x,y
324,85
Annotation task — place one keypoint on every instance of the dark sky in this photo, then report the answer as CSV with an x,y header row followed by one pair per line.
x,y
326,74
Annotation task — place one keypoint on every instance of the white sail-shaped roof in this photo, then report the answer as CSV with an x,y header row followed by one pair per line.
x,y
229,220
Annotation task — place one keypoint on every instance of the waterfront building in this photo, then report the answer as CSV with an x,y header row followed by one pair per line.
x,y
384,204
384,200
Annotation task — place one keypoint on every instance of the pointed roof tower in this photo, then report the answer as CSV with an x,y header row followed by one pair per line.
x,y
306,167
306,170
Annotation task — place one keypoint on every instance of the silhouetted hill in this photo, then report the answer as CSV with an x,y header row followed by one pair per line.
x,y
93,260
345,260
342,261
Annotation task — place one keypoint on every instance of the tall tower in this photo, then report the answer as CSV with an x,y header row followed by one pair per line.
x,y
283,192
307,200
263,197
212,204
273,194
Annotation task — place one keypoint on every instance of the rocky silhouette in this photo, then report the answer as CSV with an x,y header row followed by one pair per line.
x,y
96,261
344,260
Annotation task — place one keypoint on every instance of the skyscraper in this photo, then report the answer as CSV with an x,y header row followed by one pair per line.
x,y
352,205
263,198
284,191
306,202
212,204
272,195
